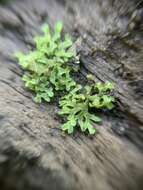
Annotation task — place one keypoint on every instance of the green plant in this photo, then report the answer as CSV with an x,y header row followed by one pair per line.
x,y
47,72
46,67
78,103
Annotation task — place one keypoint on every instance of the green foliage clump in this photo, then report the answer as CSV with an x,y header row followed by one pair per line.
x,y
46,67
47,72
78,103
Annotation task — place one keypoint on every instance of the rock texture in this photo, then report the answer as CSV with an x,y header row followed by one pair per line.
x,y
34,153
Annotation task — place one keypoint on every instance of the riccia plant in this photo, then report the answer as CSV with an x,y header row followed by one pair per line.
x,y
46,67
78,103
48,72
